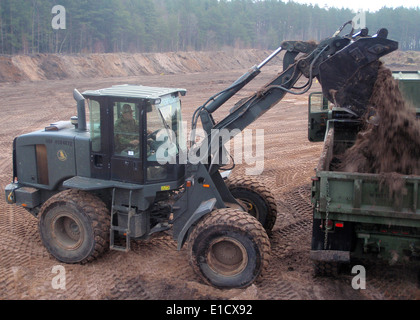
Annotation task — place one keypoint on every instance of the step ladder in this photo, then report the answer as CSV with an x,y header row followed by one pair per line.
x,y
126,231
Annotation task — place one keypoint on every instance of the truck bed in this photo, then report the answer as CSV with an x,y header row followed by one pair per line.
x,y
362,197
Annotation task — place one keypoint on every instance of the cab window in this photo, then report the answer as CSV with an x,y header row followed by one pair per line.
x,y
126,129
95,125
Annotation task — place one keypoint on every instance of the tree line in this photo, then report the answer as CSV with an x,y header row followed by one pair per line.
x,y
100,26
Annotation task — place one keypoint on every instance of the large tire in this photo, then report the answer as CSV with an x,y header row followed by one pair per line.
x,y
229,248
257,198
74,226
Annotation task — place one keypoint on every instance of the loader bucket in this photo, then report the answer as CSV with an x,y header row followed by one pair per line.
x,y
347,77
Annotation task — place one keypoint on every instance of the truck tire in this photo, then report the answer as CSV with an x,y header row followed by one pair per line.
x,y
228,248
74,226
257,198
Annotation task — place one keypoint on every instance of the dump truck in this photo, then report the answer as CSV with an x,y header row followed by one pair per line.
x,y
354,216
128,173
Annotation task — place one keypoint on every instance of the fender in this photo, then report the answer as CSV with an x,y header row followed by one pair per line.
x,y
204,208
203,193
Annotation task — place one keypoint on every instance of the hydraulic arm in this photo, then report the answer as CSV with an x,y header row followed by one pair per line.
x,y
346,67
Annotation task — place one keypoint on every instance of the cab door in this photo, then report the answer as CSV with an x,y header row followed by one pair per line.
x,y
99,131
126,141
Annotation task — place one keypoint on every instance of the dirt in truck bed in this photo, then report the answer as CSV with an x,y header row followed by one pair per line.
x,y
390,143
154,269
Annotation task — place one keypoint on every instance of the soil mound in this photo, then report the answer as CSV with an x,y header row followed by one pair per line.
x,y
56,66
390,143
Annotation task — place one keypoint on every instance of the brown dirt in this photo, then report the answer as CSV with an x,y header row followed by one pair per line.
x,y
389,144
56,67
154,269
392,142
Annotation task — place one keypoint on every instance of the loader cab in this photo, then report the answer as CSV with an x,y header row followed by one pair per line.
x,y
136,134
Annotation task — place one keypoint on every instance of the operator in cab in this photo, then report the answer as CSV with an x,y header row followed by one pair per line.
x,y
127,130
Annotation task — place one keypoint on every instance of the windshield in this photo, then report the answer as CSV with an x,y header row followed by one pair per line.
x,y
164,121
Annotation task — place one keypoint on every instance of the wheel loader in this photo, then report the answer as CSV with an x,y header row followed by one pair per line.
x,y
97,185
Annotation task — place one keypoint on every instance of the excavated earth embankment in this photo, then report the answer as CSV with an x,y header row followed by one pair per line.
x,y
58,67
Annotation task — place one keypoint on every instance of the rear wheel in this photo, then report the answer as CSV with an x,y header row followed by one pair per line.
x,y
74,226
258,200
229,248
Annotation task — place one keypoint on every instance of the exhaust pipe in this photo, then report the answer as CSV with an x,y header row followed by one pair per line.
x,y
81,111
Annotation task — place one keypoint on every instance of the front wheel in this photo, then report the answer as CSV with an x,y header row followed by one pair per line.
x,y
74,226
229,248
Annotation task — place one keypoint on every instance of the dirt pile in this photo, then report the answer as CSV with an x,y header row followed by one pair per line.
x,y
390,143
9,71
57,67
